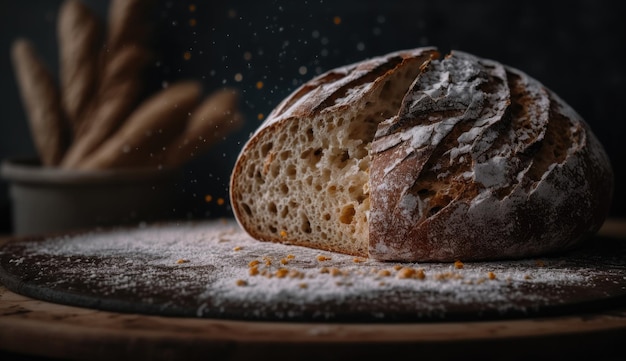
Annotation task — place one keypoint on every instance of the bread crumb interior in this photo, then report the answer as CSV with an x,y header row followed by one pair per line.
x,y
307,182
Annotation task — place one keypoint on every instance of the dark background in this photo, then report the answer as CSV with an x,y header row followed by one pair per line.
x,y
576,48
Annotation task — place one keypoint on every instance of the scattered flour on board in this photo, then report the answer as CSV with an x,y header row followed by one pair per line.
x,y
217,264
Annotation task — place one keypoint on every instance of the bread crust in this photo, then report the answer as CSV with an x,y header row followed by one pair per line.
x,y
41,99
480,162
504,198
79,34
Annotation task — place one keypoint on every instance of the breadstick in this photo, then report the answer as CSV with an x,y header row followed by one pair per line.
x,y
120,89
79,36
41,100
159,118
127,65
128,23
214,119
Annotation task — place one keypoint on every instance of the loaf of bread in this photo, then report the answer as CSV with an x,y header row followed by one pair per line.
x,y
416,157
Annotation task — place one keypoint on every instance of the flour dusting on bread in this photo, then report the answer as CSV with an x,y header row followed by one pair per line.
x,y
412,157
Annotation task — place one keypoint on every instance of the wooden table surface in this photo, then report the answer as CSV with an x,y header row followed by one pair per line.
x,y
32,328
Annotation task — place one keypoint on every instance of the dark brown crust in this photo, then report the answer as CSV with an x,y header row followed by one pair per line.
x,y
321,93
481,162
551,191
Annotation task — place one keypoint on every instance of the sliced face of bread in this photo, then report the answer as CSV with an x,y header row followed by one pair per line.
x,y
303,177
408,157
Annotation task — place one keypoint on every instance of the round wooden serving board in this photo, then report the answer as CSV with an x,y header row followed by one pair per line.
x,y
594,324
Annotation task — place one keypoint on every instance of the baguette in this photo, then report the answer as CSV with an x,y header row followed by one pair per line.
x,y
119,93
128,24
123,62
409,157
210,122
156,121
79,37
41,100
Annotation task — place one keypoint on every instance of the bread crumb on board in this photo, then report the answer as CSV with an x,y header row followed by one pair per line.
x,y
257,277
384,273
253,263
409,272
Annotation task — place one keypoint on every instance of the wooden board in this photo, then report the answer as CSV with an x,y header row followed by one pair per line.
x,y
34,327
83,333
213,269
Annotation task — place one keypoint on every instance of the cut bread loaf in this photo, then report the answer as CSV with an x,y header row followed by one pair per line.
x,y
413,157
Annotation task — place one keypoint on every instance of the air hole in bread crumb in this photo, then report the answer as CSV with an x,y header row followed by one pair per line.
x,y
326,175
340,160
246,209
347,214
273,229
284,189
275,170
258,177
284,155
271,207
305,225
250,172
312,156
265,149
291,171
345,156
